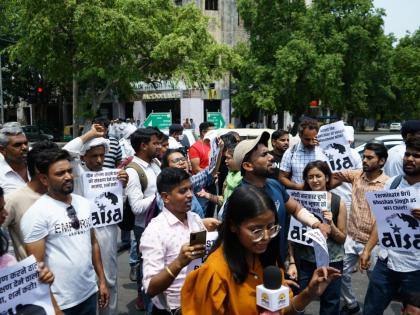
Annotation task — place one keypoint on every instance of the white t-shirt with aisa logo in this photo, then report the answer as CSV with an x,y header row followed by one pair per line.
x,y
68,251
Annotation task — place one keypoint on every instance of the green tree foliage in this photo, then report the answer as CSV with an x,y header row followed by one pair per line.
x,y
330,50
406,76
98,45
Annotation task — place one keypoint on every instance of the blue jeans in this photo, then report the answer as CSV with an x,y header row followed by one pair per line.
x,y
385,284
138,231
87,307
330,299
133,258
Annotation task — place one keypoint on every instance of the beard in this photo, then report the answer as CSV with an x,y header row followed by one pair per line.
x,y
264,172
411,171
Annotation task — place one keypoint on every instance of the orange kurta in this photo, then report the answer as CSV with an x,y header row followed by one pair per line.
x,y
211,290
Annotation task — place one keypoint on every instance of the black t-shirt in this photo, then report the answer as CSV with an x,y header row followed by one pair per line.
x,y
276,164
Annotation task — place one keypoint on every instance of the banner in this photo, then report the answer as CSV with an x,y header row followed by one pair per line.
x,y
210,240
335,146
21,292
105,194
313,201
398,229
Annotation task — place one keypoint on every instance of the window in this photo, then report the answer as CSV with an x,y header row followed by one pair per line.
x,y
211,5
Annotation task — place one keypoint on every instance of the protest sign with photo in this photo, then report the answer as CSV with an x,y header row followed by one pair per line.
x,y
335,146
314,201
398,229
105,194
210,240
214,148
21,292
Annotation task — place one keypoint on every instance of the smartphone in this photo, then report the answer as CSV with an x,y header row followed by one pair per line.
x,y
197,238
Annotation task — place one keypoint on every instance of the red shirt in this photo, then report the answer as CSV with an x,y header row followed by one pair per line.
x,y
200,150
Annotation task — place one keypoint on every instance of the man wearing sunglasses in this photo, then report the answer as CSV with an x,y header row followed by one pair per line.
x,y
57,230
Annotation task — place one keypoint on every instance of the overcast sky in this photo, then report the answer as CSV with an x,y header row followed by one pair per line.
x,y
401,16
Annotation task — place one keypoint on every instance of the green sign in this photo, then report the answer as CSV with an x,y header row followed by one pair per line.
x,y
217,119
160,120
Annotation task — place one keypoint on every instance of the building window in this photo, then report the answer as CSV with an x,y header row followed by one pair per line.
x,y
211,5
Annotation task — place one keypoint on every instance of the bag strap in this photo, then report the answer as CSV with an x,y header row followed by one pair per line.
x,y
396,182
140,173
335,206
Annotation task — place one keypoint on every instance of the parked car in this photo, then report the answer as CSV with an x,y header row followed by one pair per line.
x,y
389,141
395,126
34,133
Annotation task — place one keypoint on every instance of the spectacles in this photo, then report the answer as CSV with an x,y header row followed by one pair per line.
x,y
71,213
178,160
258,234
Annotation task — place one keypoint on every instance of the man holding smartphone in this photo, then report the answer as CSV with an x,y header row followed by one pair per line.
x,y
165,243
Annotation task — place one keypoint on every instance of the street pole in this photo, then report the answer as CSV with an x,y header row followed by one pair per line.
x,y
1,94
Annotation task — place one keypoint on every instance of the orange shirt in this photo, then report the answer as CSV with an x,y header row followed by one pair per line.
x,y
211,290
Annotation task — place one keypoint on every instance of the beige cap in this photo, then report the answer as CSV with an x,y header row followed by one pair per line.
x,y
245,146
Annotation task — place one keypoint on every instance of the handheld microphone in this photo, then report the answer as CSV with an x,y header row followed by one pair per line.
x,y
271,295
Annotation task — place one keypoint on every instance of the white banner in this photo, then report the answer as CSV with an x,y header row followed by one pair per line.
x,y
314,201
210,240
398,229
335,146
105,194
21,292
322,256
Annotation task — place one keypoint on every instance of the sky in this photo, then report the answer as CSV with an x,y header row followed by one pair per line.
x,y
401,15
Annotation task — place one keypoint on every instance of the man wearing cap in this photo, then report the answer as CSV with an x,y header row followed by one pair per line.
x,y
175,136
394,164
255,162
89,152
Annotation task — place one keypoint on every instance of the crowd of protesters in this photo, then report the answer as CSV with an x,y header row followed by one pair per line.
x,y
173,191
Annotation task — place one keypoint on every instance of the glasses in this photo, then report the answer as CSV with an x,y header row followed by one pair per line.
x,y
71,213
258,234
178,160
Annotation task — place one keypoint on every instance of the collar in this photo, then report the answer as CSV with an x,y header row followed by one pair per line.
x,y
141,162
6,167
172,220
380,179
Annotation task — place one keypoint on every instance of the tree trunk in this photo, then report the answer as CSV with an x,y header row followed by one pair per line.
x,y
75,105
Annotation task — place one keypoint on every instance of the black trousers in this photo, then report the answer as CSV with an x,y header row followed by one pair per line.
x,y
157,311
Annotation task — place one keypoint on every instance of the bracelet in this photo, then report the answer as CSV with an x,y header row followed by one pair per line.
x,y
292,263
170,272
294,308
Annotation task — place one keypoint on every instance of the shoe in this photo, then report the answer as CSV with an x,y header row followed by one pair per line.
x,y
123,246
348,311
133,273
140,304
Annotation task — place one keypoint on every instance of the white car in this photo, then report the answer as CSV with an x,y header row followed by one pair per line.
x,y
389,141
189,137
395,126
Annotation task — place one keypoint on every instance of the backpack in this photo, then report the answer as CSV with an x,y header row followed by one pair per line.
x,y
396,182
335,206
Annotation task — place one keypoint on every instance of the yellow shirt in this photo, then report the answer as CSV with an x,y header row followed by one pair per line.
x,y
211,289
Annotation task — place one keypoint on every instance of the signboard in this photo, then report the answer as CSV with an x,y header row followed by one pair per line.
x,y
314,202
160,120
210,240
335,146
105,194
217,119
398,229
21,292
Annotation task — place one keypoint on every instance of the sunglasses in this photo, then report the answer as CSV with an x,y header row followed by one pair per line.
x,y
71,213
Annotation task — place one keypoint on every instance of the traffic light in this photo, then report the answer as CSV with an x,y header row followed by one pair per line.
x,y
39,88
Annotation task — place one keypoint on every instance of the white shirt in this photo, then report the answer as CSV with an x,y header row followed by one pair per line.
x,y
160,245
173,143
126,148
401,261
68,252
394,162
9,179
140,201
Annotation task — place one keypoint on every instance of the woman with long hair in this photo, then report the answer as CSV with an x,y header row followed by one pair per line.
x,y
248,242
317,175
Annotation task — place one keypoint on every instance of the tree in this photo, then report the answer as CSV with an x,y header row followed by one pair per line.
x,y
325,51
100,45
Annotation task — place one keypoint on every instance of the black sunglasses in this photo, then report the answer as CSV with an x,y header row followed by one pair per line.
x,y
71,213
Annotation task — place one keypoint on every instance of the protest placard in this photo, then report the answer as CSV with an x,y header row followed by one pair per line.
x,y
105,194
314,201
21,292
214,149
398,229
335,146
322,257
210,240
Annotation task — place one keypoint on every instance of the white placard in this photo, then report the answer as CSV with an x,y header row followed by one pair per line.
x,y
214,149
105,194
398,229
313,201
21,292
322,256
210,240
336,147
